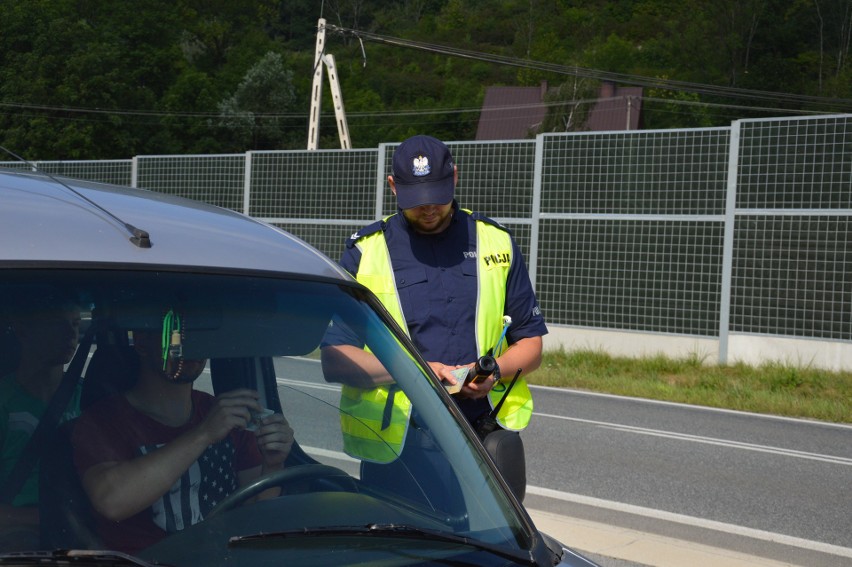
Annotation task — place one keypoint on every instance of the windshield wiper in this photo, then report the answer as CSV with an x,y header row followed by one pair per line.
x,y
402,531
66,556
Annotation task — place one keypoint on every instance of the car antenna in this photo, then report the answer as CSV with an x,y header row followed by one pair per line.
x,y
138,237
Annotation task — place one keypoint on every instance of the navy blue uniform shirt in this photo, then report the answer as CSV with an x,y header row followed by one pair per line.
x,y
436,280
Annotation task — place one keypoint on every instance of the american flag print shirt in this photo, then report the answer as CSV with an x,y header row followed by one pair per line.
x,y
206,483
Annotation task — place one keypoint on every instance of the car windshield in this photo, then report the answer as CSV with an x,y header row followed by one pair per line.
x,y
380,470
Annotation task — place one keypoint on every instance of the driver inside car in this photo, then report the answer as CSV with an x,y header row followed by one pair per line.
x,y
159,457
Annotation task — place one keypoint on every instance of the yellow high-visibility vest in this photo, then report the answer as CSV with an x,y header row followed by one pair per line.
x,y
375,431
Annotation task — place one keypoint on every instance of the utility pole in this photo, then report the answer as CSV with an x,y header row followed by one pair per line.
x,y
322,59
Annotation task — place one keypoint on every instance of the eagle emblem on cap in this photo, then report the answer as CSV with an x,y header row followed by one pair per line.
x,y
421,166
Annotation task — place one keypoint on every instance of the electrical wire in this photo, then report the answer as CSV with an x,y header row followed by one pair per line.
x,y
623,78
391,113
836,104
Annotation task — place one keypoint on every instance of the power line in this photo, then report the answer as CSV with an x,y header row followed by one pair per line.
x,y
132,112
367,113
841,104
573,70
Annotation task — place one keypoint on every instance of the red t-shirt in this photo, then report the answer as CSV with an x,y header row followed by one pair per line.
x,y
113,430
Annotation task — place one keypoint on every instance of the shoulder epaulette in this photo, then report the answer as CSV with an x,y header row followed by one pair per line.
x,y
372,228
488,220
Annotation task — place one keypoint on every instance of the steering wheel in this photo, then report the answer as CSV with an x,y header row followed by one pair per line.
x,y
290,475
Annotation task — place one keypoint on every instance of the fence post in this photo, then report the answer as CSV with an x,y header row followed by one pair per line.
x,y
381,180
134,171
247,184
728,241
535,210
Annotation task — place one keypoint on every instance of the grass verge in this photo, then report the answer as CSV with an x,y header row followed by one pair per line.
x,y
772,388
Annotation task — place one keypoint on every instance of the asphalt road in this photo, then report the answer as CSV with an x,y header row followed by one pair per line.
x,y
773,487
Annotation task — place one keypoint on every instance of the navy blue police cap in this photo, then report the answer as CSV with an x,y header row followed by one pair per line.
x,y
423,172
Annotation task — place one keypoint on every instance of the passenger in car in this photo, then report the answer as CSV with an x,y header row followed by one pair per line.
x,y
159,457
44,326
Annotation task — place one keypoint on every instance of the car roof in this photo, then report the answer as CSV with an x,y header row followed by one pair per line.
x,y
50,220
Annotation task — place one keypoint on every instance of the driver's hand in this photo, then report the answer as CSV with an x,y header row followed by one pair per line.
x,y
232,410
274,439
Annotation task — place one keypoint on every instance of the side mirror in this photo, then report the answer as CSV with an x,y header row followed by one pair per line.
x,y
507,451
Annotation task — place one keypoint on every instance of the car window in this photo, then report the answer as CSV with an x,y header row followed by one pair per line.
x,y
377,447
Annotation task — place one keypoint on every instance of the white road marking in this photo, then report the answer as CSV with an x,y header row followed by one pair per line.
x,y
302,384
644,430
798,420
652,513
708,440
693,521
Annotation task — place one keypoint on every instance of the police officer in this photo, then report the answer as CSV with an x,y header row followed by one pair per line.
x,y
455,280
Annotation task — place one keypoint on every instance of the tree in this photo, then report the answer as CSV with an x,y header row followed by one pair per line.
x,y
73,56
256,113
90,79
569,105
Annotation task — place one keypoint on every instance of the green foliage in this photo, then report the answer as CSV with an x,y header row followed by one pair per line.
x,y
614,53
569,105
95,79
249,115
772,388
666,108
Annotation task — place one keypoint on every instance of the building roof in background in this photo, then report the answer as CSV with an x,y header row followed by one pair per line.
x,y
511,113
617,108
516,113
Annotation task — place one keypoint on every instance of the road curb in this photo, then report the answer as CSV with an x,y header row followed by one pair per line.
x,y
640,547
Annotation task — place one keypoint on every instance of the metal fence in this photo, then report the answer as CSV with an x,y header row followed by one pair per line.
x,y
699,232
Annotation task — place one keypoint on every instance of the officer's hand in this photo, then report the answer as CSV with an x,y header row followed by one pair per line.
x,y
477,390
457,386
445,372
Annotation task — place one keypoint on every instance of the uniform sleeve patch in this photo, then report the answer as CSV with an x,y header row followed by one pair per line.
x,y
366,231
